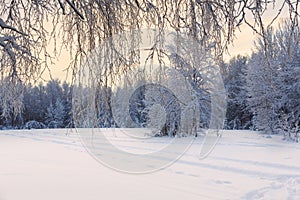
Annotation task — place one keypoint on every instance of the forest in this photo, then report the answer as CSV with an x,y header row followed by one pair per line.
x,y
262,89
261,95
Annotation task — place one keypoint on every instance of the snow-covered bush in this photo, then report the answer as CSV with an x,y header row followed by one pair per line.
x,y
34,125
289,127
54,124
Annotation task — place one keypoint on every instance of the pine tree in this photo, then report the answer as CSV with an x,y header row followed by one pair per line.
x,y
67,102
55,115
59,114
50,114
238,116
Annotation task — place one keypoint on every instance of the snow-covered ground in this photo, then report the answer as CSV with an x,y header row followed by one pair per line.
x,y
48,164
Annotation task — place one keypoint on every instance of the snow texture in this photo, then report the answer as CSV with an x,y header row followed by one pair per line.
x,y
50,164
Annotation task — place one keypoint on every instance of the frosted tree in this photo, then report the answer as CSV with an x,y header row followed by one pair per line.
x,y
120,107
103,107
80,26
238,115
263,92
67,102
55,115
289,79
35,103
273,80
162,110
54,91
11,98
137,107
59,114
50,114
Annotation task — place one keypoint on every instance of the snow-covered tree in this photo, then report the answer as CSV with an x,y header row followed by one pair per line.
x,y
238,115
162,109
67,102
289,75
35,103
55,115
54,91
81,25
38,106
50,114
262,88
59,115
11,98
273,80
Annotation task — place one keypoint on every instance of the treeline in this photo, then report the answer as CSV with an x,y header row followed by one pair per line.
x,y
264,89
43,106
263,93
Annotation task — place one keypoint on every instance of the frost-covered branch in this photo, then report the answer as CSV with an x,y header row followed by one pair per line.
x,y
75,9
32,24
3,25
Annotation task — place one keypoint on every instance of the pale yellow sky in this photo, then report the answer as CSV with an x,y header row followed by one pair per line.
x,y
243,44
59,66
244,40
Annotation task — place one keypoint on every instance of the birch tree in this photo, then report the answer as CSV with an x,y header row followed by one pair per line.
x,y
81,25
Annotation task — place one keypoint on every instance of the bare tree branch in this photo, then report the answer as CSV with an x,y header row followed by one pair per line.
x,y
84,24
75,9
3,25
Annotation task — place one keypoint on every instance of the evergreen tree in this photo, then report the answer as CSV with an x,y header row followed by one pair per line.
x,y
67,102
59,113
55,115
238,115
50,114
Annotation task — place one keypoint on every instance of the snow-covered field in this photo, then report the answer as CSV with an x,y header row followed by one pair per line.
x,y
48,164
